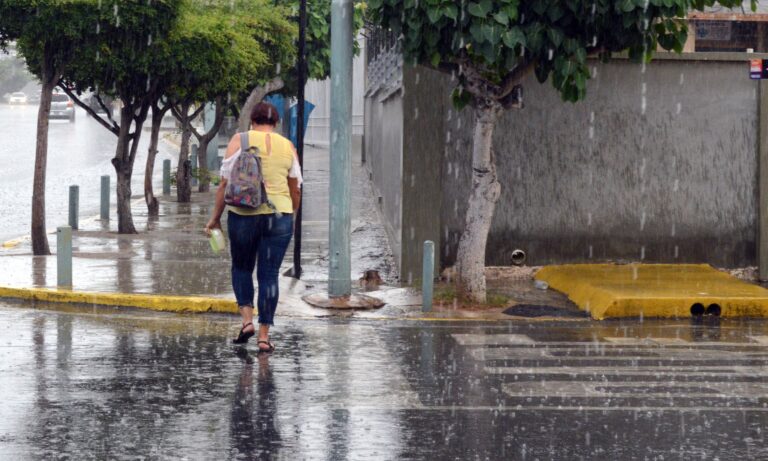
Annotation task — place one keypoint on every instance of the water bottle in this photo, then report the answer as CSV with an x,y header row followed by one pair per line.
x,y
217,240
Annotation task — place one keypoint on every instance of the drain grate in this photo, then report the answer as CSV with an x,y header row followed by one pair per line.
x,y
537,310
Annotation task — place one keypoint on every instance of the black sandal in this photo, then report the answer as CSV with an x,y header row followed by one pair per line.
x,y
244,336
269,344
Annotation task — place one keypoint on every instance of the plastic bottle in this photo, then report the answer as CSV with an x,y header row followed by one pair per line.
x,y
217,240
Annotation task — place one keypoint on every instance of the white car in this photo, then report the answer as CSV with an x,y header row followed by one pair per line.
x,y
18,98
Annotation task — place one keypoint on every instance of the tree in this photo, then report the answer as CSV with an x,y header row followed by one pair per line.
x,y
47,33
120,60
492,45
318,55
219,50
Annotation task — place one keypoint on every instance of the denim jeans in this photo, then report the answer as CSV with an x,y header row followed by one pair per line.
x,y
262,240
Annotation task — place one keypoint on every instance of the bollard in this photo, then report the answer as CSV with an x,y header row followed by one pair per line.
x,y
105,198
74,206
64,256
166,177
193,161
428,276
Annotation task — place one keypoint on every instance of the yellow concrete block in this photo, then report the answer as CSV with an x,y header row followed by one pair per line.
x,y
154,302
654,290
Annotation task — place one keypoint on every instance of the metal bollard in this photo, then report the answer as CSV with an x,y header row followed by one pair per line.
x,y
64,256
105,198
74,206
428,276
193,161
166,177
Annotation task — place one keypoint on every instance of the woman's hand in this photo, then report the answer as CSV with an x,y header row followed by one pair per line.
x,y
212,224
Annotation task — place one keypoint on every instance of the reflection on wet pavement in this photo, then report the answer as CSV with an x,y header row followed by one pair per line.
x,y
129,384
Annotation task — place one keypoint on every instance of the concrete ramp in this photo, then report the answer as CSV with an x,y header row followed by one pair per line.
x,y
656,290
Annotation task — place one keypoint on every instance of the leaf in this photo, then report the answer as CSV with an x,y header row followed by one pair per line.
x,y
513,37
501,18
434,15
451,11
435,60
555,36
475,9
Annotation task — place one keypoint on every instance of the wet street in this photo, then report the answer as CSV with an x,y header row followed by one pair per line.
x,y
96,383
78,154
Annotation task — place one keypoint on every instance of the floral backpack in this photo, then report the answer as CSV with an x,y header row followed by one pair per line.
x,y
245,186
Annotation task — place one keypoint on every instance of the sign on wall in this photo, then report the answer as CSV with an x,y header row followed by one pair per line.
x,y
758,69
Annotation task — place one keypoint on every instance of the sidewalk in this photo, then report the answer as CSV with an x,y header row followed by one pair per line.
x,y
171,255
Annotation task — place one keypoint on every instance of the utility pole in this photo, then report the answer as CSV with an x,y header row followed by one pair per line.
x,y
302,64
339,281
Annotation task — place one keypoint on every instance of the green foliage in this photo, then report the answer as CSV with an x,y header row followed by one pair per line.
x,y
491,44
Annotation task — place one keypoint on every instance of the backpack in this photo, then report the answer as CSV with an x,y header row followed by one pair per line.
x,y
245,186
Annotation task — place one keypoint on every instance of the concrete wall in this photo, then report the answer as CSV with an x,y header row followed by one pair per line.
x,y
657,164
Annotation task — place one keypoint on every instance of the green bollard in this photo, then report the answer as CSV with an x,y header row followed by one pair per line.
x,y
105,198
428,276
74,206
64,257
166,177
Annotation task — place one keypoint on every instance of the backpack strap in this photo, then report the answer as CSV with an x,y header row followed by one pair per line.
x,y
244,145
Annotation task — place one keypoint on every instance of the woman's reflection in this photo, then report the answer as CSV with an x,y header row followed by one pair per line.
x,y
253,432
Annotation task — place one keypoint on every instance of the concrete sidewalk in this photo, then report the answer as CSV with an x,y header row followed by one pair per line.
x,y
171,256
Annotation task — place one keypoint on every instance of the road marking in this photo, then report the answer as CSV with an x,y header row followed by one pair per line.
x,y
661,372
636,389
491,340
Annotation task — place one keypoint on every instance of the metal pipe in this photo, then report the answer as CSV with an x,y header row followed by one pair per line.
x,y
64,257
339,280
74,206
428,276
300,131
105,198
166,177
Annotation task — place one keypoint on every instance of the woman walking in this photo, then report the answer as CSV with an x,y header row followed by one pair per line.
x,y
258,238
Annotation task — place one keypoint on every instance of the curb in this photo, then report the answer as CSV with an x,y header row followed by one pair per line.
x,y
179,304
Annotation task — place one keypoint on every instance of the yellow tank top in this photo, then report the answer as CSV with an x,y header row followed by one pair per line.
x,y
275,165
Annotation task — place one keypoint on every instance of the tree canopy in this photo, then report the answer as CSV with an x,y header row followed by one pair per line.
x,y
491,44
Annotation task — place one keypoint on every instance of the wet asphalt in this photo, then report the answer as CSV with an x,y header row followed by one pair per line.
x,y
100,383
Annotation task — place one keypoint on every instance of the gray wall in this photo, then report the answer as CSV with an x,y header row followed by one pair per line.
x,y
671,179
385,167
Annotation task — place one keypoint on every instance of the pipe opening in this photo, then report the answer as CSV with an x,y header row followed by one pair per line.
x,y
697,310
714,310
518,257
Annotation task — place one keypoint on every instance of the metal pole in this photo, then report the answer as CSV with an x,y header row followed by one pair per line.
x,y
64,256
193,161
105,198
428,276
166,177
300,131
74,205
339,282
762,228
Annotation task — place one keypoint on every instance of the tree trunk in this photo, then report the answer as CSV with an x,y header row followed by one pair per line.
x,y
485,192
202,152
123,170
183,173
39,235
257,94
153,207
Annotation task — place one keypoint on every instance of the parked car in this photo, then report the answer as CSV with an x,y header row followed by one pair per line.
x,y
62,107
18,98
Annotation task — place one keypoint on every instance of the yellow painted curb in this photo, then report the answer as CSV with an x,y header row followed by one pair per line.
x,y
154,302
654,290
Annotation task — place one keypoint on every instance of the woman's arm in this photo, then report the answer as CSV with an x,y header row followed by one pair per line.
x,y
218,207
295,188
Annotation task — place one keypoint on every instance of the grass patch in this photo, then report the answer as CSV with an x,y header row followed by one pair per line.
x,y
446,295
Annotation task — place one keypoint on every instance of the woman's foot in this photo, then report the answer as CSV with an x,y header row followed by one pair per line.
x,y
265,345
245,334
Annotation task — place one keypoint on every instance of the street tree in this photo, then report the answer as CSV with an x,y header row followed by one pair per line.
x,y
219,50
47,34
490,46
120,61
284,79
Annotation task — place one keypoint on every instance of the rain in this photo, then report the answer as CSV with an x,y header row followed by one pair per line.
x,y
506,230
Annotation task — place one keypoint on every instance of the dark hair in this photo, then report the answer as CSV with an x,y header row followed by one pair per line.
x,y
264,113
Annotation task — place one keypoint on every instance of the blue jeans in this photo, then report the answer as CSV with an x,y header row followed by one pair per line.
x,y
265,237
